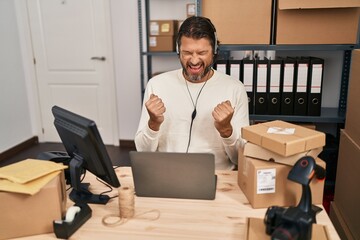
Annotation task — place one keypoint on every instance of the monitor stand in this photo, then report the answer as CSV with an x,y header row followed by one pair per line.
x,y
80,192
85,196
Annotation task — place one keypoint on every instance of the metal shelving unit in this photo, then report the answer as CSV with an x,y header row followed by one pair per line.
x,y
328,115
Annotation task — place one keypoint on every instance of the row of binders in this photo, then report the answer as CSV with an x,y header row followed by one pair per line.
x,y
282,86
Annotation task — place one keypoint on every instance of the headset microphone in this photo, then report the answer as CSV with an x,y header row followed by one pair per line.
x,y
193,115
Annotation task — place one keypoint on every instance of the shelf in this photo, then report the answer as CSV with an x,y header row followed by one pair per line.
x,y
228,47
311,47
328,115
307,47
159,53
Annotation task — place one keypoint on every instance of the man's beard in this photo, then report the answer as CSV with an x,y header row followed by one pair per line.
x,y
196,77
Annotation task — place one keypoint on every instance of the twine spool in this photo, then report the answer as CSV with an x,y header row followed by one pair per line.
x,y
126,202
127,209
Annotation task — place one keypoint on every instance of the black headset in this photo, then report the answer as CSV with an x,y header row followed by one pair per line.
x,y
214,32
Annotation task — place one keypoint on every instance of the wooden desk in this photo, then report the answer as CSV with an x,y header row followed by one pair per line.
x,y
222,218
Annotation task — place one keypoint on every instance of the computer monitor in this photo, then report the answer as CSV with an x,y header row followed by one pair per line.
x,y
87,151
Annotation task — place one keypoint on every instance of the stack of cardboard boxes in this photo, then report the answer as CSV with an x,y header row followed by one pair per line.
x,y
268,156
284,21
345,210
162,35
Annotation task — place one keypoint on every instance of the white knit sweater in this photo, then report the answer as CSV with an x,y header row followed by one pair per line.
x,y
174,132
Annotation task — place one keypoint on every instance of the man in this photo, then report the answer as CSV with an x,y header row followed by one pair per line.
x,y
194,109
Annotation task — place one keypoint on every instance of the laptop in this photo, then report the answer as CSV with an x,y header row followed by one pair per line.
x,y
174,175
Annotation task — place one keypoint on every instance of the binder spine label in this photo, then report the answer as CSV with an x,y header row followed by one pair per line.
x,y
302,77
261,81
288,78
275,78
248,77
221,68
235,71
316,78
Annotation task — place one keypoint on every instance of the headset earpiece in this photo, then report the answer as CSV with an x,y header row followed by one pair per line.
x,y
215,43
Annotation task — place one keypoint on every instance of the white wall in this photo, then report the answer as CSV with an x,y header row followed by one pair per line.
x,y
127,64
15,121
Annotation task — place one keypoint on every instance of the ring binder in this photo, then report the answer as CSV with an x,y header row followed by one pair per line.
x,y
222,66
301,82
275,74
261,89
316,72
287,87
247,77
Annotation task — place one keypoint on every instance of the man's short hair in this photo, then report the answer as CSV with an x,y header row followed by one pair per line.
x,y
198,27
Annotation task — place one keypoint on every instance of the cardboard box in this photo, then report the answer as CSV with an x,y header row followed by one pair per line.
x,y
317,22
339,223
283,138
161,43
255,230
352,126
240,22
347,194
265,184
163,28
24,215
258,152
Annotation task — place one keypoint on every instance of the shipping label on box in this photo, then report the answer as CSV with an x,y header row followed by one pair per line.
x,y
283,138
265,181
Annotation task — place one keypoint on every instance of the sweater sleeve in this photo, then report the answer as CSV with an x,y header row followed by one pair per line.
x,y
240,120
146,139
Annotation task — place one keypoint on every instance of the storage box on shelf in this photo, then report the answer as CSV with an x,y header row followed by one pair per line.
x,y
317,22
162,35
240,22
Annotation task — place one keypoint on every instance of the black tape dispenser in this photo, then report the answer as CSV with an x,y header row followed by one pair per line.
x,y
75,217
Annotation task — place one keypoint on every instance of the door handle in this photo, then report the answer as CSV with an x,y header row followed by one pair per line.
x,y
98,58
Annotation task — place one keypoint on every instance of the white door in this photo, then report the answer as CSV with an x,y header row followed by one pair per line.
x,y
73,60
